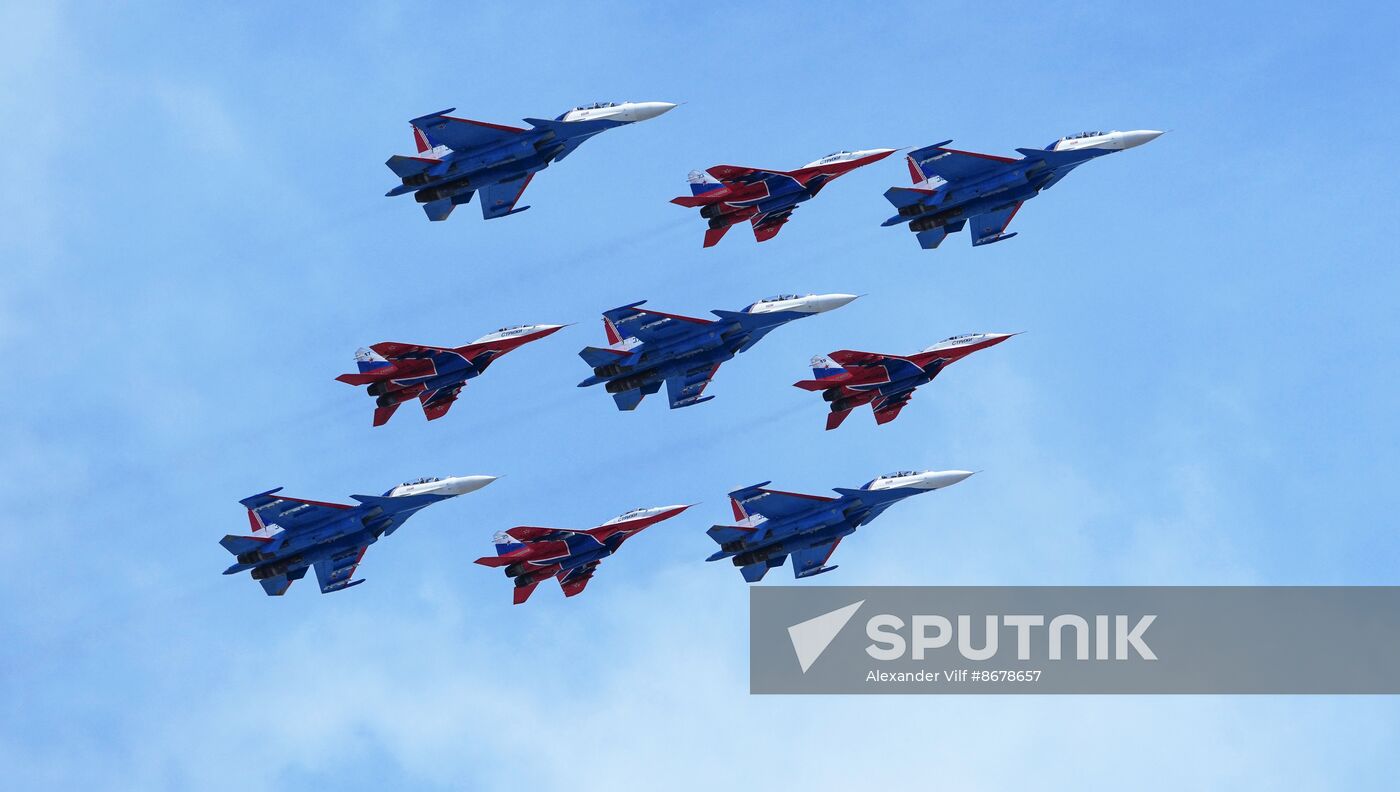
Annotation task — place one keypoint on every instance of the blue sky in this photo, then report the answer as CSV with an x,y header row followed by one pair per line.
x,y
195,241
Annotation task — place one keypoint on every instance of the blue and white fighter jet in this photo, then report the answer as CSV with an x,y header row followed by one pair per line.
x,y
952,188
458,157
291,535
647,348
771,525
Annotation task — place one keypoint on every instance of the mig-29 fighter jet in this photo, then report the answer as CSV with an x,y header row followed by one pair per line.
x,y
647,348
458,157
954,187
531,554
885,382
728,194
291,535
435,376
771,525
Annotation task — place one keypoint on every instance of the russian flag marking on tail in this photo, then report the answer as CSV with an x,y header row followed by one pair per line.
x,y
505,544
701,182
824,367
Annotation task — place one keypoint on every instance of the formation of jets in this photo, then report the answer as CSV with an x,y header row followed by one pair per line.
x,y
458,158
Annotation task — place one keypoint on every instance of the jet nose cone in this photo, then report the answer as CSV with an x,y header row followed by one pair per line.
x,y
1140,136
641,111
461,485
821,303
939,479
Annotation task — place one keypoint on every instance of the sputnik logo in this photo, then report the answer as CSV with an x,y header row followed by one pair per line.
x,y
810,638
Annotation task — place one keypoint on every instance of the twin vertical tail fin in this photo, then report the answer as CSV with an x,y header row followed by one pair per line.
x,y
383,414
523,593
920,160
714,235
824,369
835,418
367,360
505,543
702,182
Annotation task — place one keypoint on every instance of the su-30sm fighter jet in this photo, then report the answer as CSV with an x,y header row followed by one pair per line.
x,y
435,376
647,348
848,379
772,525
530,555
954,187
458,157
728,194
291,535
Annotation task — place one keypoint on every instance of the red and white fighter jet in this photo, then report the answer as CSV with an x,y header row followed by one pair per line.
x,y
848,379
728,194
530,554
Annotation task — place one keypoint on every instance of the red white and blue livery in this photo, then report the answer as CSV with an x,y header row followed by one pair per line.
x,y
847,378
529,554
729,194
435,376
291,535
953,188
771,525
459,157
647,348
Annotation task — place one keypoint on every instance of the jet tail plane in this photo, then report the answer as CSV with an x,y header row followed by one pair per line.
x,y
406,167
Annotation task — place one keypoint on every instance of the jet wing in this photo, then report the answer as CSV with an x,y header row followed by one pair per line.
x,y
774,504
572,581
391,350
812,560
952,165
646,326
460,134
887,408
289,514
334,573
535,533
766,225
498,200
850,357
739,174
684,390
991,227
436,403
